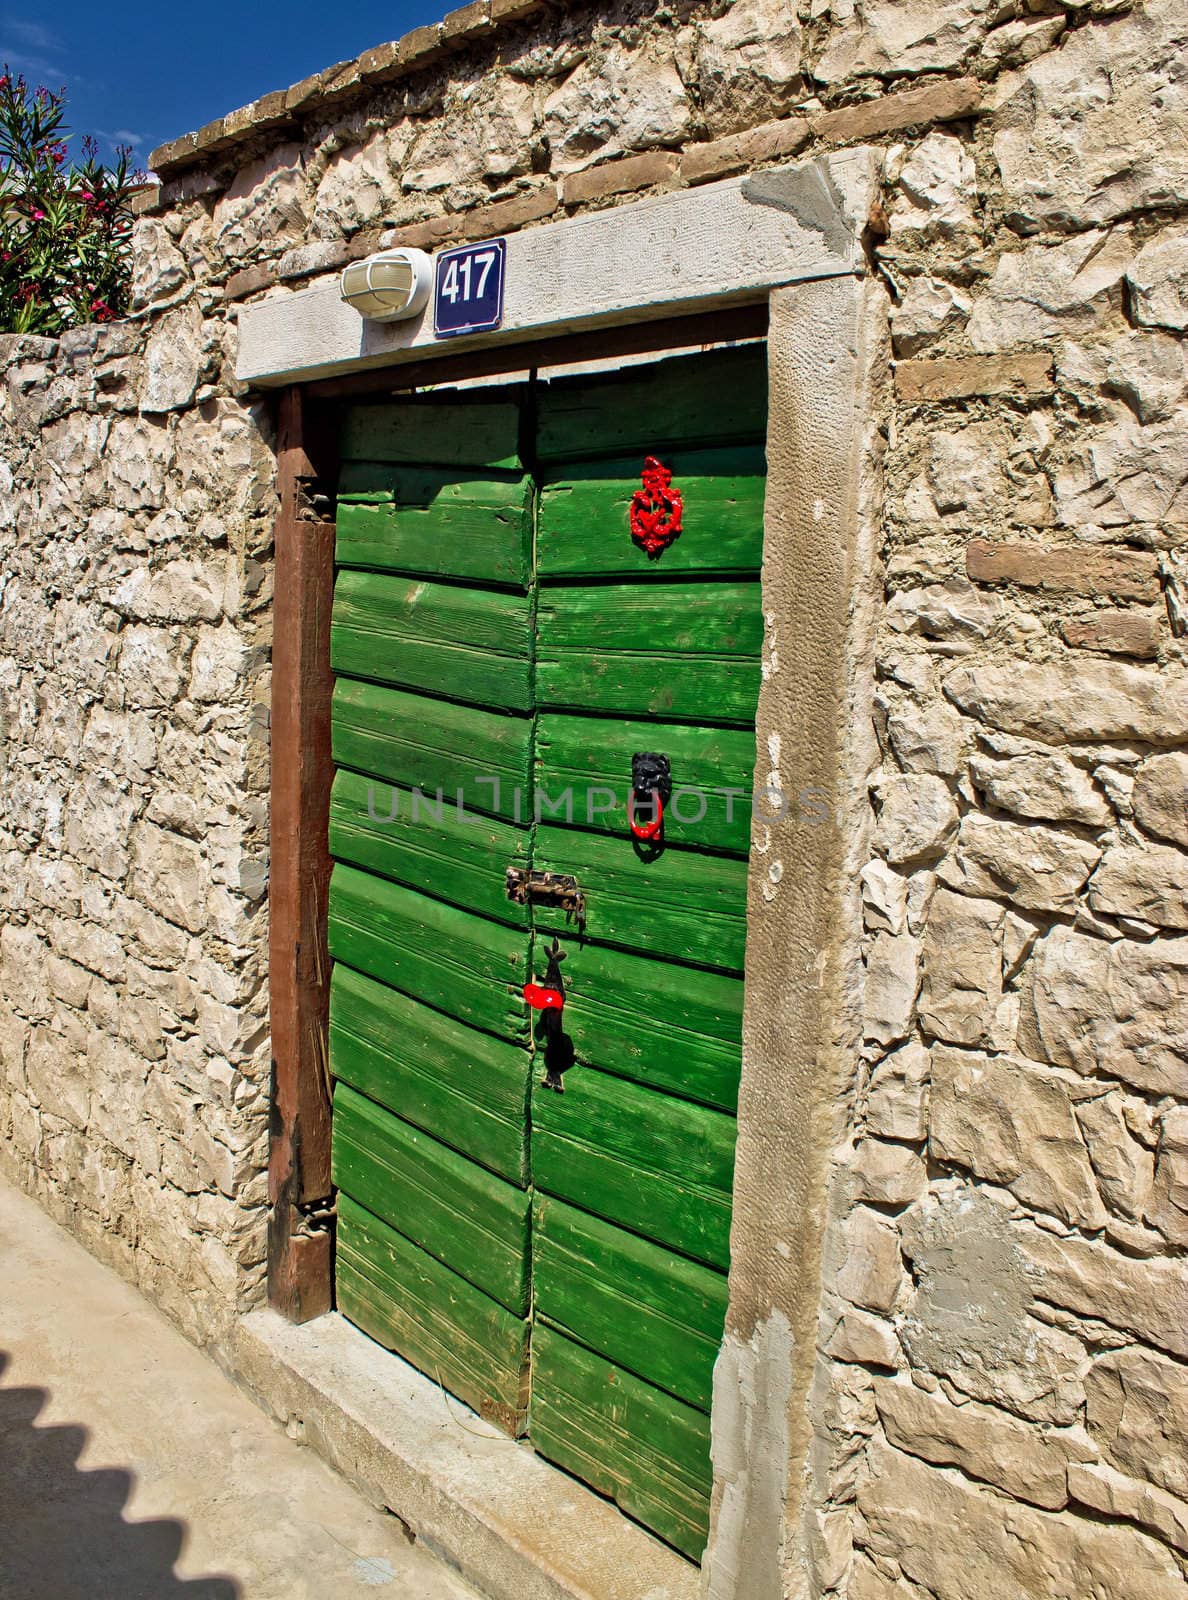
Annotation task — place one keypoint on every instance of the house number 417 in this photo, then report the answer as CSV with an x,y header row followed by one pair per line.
x,y
469,289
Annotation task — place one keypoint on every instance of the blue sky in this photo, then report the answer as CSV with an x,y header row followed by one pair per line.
x,y
140,74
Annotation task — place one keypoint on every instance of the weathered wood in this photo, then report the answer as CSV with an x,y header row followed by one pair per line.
x,y
470,1220
646,1450
299,1245
639,1305
646,1161
712,399
664,334
592,756
464,1087
439,1100
441,850
407,1300
683,905
460,963
435,524
584,518
468,644
668,1027
682,651
417,742
429,431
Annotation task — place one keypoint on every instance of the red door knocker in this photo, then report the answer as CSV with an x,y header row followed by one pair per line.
x,y
656,510
651,788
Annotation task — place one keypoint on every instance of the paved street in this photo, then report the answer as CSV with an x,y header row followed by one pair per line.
x,y
132,1469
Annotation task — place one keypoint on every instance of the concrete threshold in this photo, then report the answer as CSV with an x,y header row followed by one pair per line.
x,y
515,1527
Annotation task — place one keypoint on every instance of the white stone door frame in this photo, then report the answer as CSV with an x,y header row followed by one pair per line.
x,y
792,236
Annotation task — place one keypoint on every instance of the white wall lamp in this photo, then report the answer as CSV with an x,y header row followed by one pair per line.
x,y
390,286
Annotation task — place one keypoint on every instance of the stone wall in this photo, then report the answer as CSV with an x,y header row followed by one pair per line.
x,y
1001,1398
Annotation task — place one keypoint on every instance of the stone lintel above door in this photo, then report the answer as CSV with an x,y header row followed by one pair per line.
x,y
674,254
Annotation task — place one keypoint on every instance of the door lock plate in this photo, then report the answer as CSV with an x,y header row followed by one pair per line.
x,y
546,889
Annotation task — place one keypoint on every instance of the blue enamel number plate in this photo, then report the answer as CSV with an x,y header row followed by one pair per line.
x,y
468,290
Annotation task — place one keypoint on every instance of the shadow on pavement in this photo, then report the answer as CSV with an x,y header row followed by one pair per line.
x,y
63,1535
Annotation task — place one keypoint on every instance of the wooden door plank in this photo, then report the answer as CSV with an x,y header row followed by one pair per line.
x,y
632,1442
435,432
673,1028
592,757
409,1302
470,1220
453,960
467,1089
466,644
689,652
659,1166
709,399
682,905
655,1314
299,1190
418,742
584,517
401,519
436,847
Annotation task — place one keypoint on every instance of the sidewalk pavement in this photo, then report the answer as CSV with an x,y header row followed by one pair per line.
x,y
132,1469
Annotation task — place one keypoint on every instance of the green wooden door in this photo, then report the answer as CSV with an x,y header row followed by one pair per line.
x,y
502,649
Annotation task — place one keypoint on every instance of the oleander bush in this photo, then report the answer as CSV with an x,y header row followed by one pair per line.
x,y
64,226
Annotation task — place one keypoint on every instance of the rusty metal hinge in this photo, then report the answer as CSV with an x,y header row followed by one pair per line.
x,y
546,888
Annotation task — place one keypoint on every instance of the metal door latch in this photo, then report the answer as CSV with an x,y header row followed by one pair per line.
x,y
549,999
546,889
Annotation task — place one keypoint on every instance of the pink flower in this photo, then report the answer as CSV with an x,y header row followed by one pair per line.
x,y
38,216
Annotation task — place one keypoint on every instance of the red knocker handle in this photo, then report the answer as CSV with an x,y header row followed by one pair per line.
x,y
542,999
647,830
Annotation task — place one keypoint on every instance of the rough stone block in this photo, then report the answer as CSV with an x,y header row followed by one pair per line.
x,y
911,108
887,1174
737,152
1158,281
1116,633
999,1547
962,968
984,1443
250,280
1046,788
1063,702
506,215
1148,1298
1006,1120
956,378
1136,1411
1119,1009
1072,156
1149,882
917,818
857,1336
1035,867
1071,569
1168,1208
1161,796
897,1106
1043,291
892,982
619,177
871,1272
1120,1497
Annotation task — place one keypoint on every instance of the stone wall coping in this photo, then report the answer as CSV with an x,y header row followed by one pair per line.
x,y
670,254
346,80
477,23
